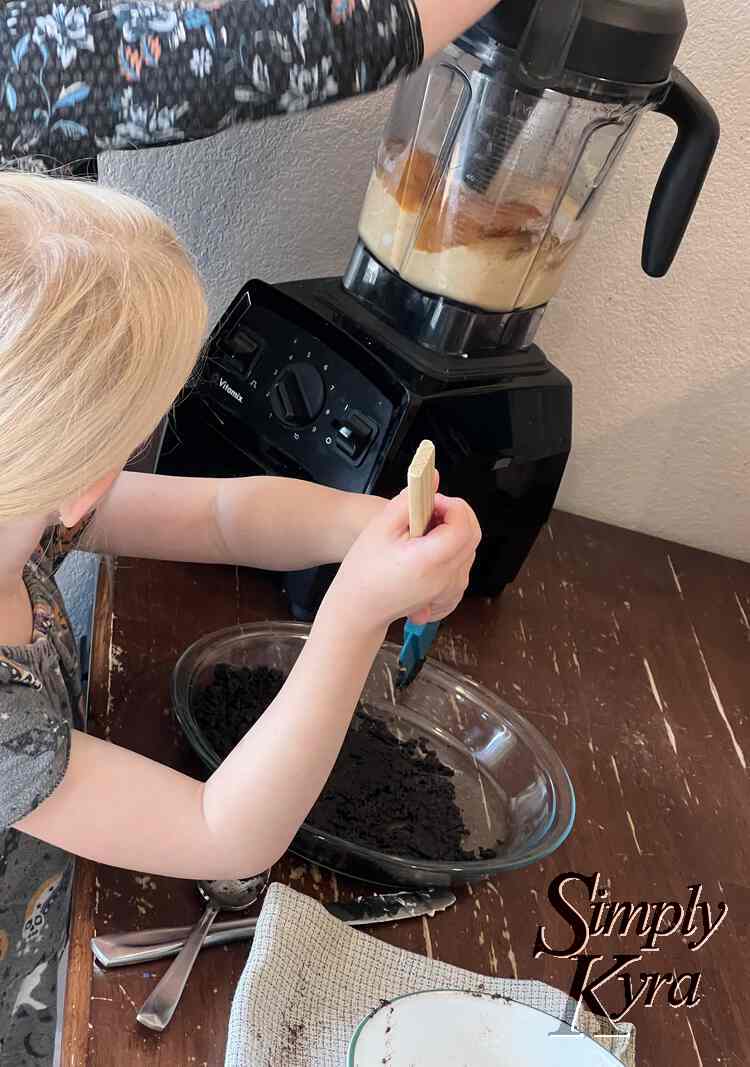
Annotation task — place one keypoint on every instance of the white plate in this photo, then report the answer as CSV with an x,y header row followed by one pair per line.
x,y
447,1028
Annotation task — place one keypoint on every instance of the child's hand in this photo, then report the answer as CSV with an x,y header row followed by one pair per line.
x,y
387,575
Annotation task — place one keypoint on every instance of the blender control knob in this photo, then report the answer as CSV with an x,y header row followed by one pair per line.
x,y
299,394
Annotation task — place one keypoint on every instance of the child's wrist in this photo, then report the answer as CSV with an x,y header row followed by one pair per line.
x,y
349,620
356,512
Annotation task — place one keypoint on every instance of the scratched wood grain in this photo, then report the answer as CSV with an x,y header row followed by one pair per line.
x,y
631,654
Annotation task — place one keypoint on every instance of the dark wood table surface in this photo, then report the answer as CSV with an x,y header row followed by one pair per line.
x,y
632,656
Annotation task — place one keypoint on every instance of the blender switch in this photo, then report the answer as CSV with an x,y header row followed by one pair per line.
x,y
240,350
298,395
352,436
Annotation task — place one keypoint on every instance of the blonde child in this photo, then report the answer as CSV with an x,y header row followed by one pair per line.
x,y
102,319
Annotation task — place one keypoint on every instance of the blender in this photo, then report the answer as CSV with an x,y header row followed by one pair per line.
x,y
495,158
492,166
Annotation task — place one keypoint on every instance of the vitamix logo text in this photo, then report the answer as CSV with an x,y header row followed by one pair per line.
x,y
224,384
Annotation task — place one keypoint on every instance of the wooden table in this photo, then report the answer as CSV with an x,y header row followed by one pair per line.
x,y
631,654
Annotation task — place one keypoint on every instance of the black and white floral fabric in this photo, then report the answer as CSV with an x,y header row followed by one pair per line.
x,y
77,79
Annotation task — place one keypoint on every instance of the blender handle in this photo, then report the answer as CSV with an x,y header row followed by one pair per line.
x,y
683,175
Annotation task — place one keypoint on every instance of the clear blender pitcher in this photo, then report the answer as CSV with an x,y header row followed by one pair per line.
x,y
495,157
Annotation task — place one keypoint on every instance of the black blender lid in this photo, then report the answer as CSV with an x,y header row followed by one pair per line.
x,y
632,41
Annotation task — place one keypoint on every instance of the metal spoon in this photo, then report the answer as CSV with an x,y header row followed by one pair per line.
x,y
234,895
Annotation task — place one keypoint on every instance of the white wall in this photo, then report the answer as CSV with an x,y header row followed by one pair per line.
x,y
275,200
661,369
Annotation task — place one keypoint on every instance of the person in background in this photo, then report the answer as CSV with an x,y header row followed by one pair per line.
x,y
78,79
102,319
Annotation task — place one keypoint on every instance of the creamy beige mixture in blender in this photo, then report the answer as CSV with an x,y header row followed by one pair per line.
x,y
483,249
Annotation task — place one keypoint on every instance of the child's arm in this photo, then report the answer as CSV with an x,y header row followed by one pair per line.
x,y
272,523
119,808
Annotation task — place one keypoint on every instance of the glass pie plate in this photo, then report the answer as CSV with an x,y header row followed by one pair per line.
x,y
510,784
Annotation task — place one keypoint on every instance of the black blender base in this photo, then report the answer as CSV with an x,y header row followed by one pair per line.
x,y
305,590
501,424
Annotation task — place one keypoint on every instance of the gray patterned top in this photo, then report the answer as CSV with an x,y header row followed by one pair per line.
x,y
40,703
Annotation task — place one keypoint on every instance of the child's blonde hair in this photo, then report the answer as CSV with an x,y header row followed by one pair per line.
x,y
102,317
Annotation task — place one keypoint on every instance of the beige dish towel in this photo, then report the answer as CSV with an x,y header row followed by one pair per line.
x,y
310,979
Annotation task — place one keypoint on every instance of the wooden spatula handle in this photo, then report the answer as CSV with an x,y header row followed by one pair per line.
x,y
421,485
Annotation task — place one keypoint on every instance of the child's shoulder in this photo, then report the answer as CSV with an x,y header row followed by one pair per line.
x,y
58,541
35,732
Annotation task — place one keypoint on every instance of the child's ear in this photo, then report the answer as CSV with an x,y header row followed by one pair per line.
x,y
75,508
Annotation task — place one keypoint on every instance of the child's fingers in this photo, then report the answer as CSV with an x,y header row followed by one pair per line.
x,y
455,536
450,597
394,518
453,510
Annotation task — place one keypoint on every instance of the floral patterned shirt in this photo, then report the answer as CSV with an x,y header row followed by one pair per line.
x,y
77,79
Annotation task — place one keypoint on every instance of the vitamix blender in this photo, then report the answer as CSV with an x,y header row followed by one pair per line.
x,y
492,165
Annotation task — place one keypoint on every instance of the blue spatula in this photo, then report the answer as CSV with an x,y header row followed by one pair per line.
x,y
417,641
